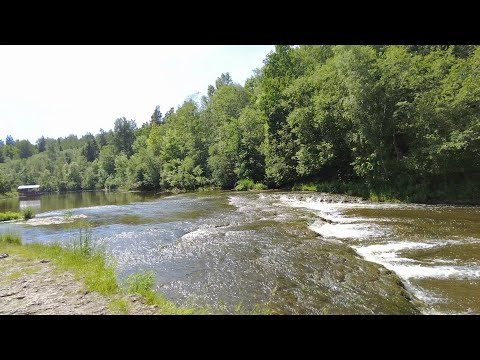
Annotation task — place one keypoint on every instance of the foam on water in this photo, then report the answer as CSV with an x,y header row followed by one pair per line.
x,y
344,231
387,255
333,223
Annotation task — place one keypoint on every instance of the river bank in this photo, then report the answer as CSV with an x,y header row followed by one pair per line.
x,y
53,280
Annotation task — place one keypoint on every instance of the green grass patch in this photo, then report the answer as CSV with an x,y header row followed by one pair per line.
x,y
10,238
119,306
142,284
9,215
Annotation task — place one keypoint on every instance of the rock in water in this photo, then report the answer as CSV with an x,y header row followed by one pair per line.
x,y
3,256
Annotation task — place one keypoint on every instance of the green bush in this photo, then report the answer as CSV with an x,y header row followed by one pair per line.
x,y
260,186
28,214
249,184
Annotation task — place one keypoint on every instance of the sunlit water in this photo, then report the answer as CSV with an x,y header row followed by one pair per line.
x,y
292,253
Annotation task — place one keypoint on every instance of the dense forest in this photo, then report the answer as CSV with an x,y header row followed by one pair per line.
x,y
386,122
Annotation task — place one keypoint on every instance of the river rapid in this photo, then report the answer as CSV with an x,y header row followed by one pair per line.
x,y
281,252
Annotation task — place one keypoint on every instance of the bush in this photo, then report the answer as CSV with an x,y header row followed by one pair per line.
x,y
249,184
260,186
28,214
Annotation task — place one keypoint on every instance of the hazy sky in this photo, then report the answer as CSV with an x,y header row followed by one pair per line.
x,y
60,90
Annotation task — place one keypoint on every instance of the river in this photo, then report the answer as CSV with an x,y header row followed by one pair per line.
x,y
287,252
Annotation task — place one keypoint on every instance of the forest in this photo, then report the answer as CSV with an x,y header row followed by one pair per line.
x,y
398,122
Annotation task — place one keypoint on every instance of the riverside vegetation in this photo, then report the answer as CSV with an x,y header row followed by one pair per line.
x,y
383,122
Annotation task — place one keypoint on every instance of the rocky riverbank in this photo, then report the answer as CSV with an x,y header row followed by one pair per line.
x,y
30,287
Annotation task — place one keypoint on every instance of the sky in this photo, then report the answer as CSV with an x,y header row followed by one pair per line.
x,y
61,90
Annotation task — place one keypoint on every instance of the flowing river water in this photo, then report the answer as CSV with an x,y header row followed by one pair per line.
x,y
288,252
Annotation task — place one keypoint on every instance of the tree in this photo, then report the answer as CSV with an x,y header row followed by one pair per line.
x,y
156,117
223,80
9,140
124,135
107,159
25,149
101,138
41,144
168,114
210,90
90,149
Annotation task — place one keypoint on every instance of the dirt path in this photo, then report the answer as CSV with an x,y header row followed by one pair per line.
x,y
33,287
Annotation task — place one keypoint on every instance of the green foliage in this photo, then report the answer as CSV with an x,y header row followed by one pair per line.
x,y
249,184
28,214
6,216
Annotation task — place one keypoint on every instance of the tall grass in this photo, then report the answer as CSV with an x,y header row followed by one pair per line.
x,y
10,238
84,245
9,215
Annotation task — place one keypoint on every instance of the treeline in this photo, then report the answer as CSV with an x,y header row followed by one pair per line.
x,y
402,121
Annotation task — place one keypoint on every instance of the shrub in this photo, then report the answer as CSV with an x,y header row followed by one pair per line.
x,y
28,214
249,184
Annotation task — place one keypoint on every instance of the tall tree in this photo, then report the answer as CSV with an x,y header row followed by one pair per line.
x,y
156,117
124,135
90,149
41,144
9,140
223,80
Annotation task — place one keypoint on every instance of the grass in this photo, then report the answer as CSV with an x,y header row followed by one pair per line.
x,y
88,262
68,214
10,239
142,284
9,215
27,214
119,306
18,274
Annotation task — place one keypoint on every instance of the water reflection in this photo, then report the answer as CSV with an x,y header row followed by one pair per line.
x,y
35,204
